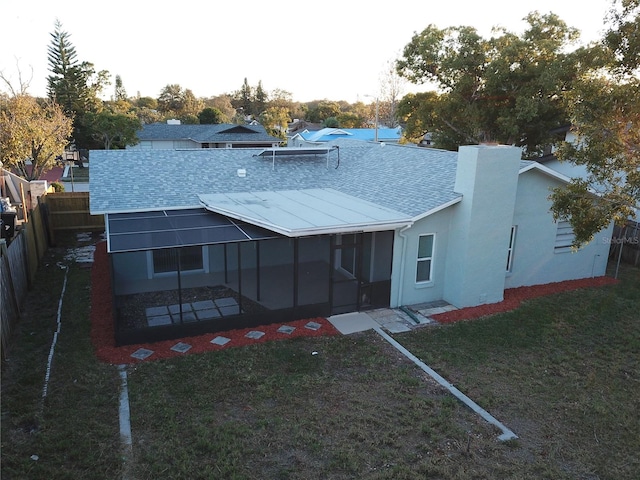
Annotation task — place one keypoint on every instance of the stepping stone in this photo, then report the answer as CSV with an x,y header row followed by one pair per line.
x,y
142,353
186,307
286,329
220,341
155,311
208,314
203,305
230,310
255,334
159,320
226,302
313,326
181,347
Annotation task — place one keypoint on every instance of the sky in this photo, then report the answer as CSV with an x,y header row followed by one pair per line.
x,y
322,50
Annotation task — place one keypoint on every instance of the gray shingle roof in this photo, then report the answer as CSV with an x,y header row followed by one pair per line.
x,y
206,133
407,179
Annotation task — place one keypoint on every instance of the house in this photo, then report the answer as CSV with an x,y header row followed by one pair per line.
x,y
229,238
172,136
301,125
308,138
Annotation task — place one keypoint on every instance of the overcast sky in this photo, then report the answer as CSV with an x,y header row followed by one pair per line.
x,y
332,50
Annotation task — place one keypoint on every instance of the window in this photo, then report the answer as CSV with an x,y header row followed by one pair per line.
x,y
166,261
564,236
512,242
425,258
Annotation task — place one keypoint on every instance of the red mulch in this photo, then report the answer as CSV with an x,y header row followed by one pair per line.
x,y
102,328
513,297
102,333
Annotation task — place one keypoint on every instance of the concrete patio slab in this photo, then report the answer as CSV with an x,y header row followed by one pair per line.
x,y
159,320
226,302
207,314
352,322
203,305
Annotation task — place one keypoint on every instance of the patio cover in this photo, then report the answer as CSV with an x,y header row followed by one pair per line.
x,y
127,232
297,213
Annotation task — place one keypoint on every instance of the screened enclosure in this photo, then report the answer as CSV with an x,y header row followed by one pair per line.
x,y
187,272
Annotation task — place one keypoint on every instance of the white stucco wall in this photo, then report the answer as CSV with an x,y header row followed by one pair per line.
x,y
487,176
404,288
535,260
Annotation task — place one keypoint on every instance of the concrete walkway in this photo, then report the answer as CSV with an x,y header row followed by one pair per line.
x,y
393,320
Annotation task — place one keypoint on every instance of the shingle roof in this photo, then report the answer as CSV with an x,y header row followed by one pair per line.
x,y
206,133
407,179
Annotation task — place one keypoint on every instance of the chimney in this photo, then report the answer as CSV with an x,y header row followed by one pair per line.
x,y
487,177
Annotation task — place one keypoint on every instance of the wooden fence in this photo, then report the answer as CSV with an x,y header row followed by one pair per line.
x,y
18,268
19,261
69,212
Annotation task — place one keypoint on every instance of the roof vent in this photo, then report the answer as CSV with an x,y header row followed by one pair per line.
x,y
242,172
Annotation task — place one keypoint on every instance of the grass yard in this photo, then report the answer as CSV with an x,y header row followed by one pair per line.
x,y
562,372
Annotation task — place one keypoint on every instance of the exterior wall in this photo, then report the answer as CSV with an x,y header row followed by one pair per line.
x,y
165,145
404,288
487,176
568,169
535,260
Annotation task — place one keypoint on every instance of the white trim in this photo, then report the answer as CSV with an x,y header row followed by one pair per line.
x,y
547,170
436,209
419,259
511,249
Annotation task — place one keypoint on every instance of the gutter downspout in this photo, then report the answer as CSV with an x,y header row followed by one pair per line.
x,y
403,254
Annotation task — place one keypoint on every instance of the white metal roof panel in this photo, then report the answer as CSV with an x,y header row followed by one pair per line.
x,y
305,212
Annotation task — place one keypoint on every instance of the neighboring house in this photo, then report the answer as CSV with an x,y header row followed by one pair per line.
x,y
301,125
322,137
280,234
171,136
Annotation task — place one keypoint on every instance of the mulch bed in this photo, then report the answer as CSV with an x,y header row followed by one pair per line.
x,y
513,297
103,334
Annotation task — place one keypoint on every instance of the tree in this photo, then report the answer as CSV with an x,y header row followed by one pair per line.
x,y
349,120
418,113
260,99
243,99
275,121
506,89
391,86
224,105
171,99
119,93
210,115
605,116
322,111
32,132
74,85
113,129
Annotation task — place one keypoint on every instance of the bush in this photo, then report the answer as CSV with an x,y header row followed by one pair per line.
x,y
57,187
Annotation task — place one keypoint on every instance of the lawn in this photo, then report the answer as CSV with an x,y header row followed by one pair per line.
x,y
561,372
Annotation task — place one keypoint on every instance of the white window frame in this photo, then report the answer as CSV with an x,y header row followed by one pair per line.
x,y
512,244
425,259
151,273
